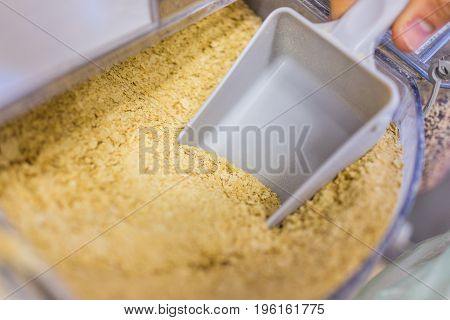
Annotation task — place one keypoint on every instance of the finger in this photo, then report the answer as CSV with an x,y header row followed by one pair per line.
x,y
339,7
419,21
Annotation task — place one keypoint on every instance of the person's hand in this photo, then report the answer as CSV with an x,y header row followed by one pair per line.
x,y
414,26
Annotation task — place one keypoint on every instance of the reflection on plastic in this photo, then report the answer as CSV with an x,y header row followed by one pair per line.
x,y
420,273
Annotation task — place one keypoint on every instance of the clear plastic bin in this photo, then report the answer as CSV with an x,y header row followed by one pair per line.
x,y
408,118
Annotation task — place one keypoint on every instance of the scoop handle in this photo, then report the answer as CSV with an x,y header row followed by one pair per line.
x,y
360,28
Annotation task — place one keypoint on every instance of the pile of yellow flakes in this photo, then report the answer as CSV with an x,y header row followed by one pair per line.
x,y
70,184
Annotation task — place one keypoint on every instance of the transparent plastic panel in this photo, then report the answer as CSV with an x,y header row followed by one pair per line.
x,y
23,274
67,62
173,18
169,8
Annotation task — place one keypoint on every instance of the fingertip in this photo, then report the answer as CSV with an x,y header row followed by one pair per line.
x,y
417,23
399,37
402,45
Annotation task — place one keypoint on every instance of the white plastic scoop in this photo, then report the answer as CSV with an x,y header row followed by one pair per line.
x,y
302,102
